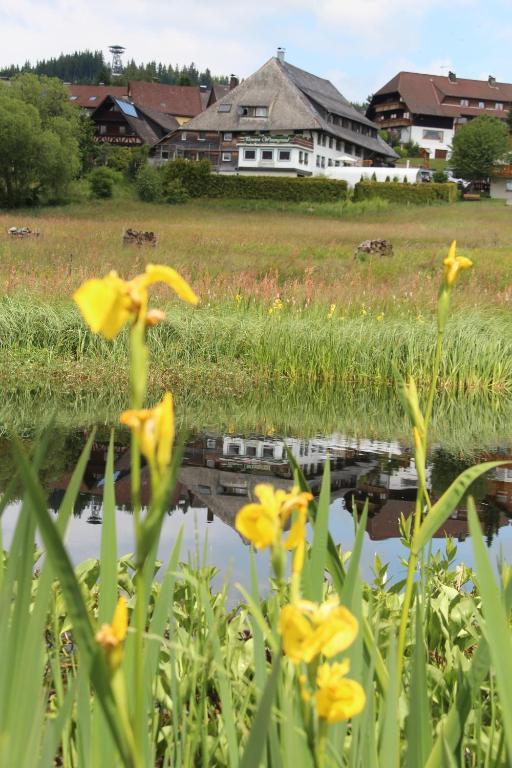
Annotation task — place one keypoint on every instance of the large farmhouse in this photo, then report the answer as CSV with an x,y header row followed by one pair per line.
x,y
279,120
428,109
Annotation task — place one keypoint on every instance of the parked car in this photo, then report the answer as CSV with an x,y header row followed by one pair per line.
x,y
462,184
425,175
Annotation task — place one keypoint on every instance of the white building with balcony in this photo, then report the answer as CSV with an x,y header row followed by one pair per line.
x,y
280,120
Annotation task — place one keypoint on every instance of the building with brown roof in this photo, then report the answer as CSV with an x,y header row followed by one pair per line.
x,y
90,96
123,123
428,109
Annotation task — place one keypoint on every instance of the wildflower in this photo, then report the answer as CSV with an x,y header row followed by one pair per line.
x,y
263,523
107,304
111,636
154,431
238,298
337,698
309,629
453,264
380,317
332,310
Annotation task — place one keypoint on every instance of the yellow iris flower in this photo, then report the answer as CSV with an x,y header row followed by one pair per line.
x,y
263,523
453,264
154,431
107,304
337,698
309,629
111,637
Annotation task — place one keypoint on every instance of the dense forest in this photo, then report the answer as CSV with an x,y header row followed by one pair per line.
x,y
91,67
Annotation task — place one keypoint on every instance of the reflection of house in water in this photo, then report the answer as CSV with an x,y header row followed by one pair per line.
x,y
219,473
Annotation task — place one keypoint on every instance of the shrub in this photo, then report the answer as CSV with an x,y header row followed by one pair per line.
x,y
148,184
176,193
193,176
439,177
101,181
413,194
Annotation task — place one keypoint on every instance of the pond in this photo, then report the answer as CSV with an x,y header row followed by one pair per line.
x,y
220,469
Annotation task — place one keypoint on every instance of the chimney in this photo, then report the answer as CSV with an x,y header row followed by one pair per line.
x,y
280,54
233,82
492,81
452,77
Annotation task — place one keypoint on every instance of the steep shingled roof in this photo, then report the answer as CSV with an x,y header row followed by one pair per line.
x,y
425,94
179,100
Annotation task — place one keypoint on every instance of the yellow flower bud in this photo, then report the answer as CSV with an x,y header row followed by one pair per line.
x,y
111,637
453,264
337,697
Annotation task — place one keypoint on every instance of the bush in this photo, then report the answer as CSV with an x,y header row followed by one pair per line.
x,y
148,184
412,194
192,175
101,181
439,177
176,193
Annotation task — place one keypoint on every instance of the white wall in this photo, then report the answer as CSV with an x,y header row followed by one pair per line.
x,y
416,136
276,164
499,189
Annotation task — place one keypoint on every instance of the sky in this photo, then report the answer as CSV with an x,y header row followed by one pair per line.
x,y
358,44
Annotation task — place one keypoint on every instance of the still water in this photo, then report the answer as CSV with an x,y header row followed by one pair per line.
x,y
218,475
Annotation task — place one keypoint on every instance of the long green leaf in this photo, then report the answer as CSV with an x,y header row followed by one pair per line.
x,y
347,593
389,741
419,727
258,735
497,627
108,553
444,507
82,627
318,553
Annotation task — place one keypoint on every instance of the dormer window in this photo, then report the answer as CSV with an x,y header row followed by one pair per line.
x,y
246,111
224,108
261,112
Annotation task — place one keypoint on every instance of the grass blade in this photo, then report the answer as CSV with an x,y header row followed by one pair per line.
x,y
258,735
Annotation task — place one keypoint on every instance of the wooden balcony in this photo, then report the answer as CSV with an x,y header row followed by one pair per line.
x,y
503,171
387,105
394,122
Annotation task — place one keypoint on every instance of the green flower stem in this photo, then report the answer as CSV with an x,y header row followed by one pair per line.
x,y
321,743
138,384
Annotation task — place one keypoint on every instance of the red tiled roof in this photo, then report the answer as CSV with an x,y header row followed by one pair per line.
x,y
426,94
180,100
89,96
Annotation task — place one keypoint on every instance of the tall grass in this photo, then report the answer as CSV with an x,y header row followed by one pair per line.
x,y
246,341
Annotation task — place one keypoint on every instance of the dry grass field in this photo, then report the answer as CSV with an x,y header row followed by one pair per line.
x,y
301,256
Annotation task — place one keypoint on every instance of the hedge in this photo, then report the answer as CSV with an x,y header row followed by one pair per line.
x,y
318,190
415,194
200,182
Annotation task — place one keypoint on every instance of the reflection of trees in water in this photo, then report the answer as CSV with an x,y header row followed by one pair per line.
x,y
490,515
446,467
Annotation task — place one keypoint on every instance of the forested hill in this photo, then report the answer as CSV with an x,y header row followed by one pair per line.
x,y
90,67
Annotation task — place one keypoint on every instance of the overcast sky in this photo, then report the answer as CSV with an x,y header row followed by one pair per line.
x,y
358,44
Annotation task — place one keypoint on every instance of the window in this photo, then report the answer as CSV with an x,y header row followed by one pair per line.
x,y
249,154
224,108
338,145
211,443
234,449
103,130
330,142
430,135
318,161
122,129
261,111
323,162
228,136
226,157
306,158
392,116
92,98
329,163
251,450
301,155
324,140
268,452
243,111
201,137
267,154
205,490
285,155
184,136
164,155
337,163
73,98
464,103
481,104
407,115
499,106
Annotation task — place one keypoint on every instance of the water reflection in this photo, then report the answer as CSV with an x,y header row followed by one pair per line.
x,y
219,472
